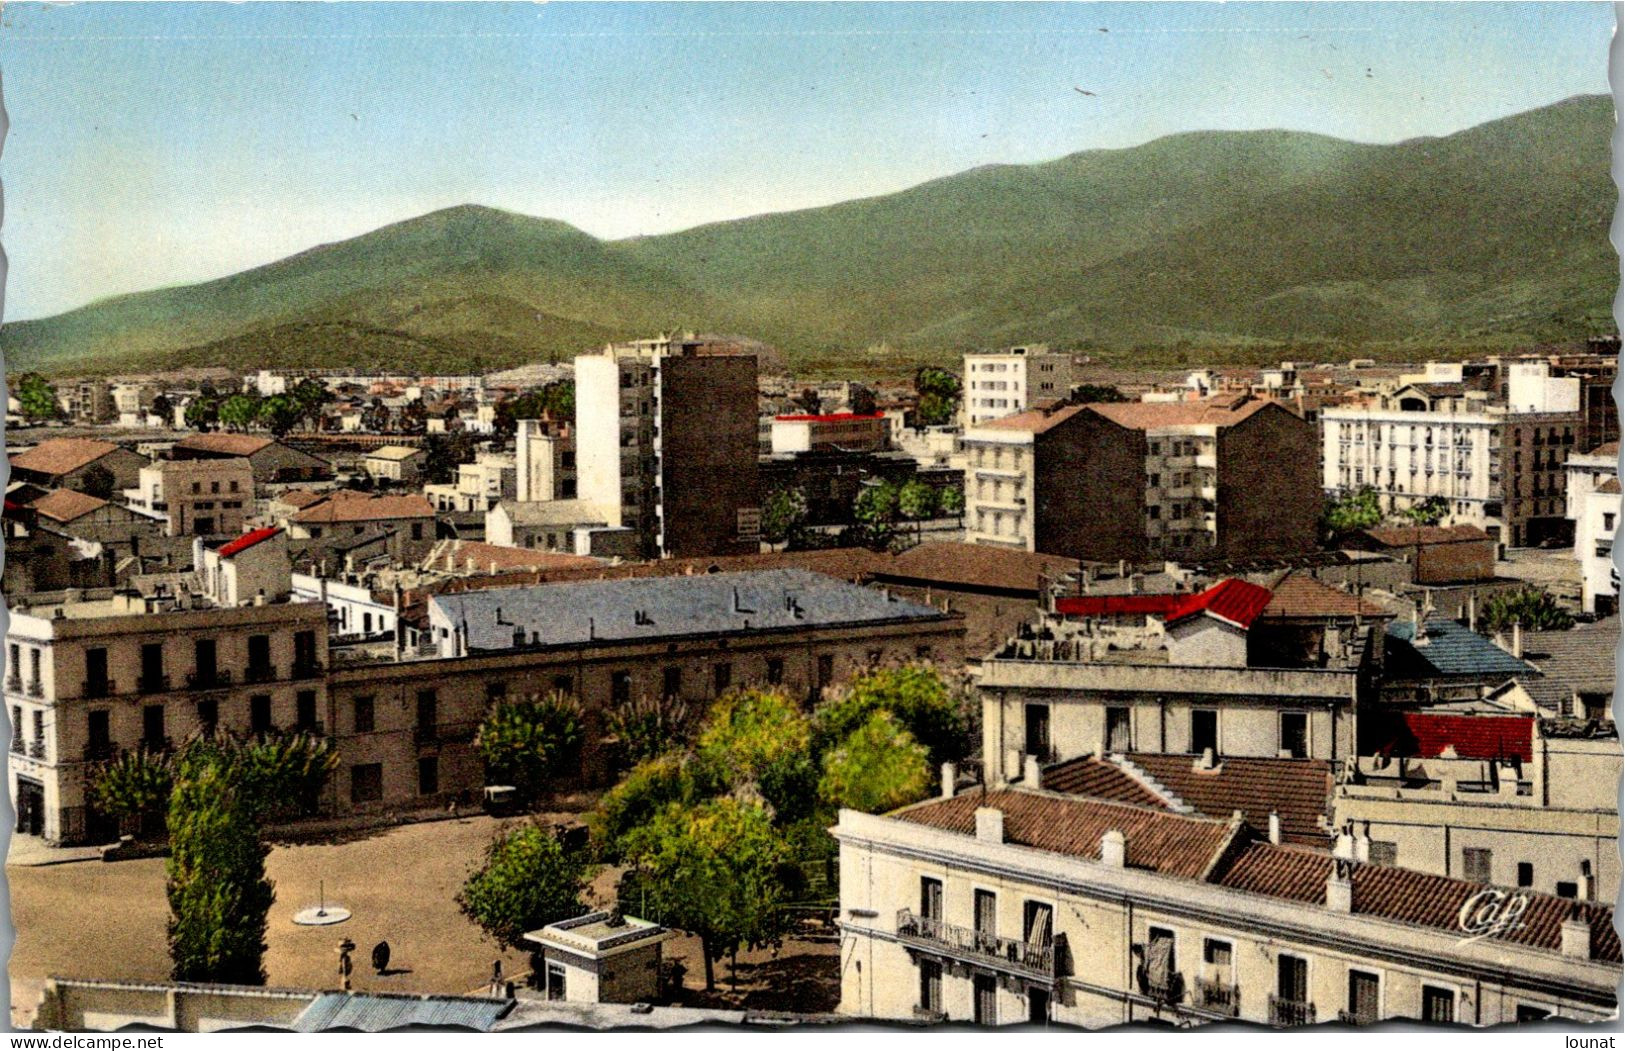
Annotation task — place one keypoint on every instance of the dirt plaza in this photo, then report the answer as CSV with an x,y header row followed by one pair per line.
x,y
90,919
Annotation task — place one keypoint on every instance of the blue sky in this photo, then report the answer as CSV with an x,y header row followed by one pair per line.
x,y
155,144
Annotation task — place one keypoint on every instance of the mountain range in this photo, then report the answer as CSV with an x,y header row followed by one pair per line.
x,y
1230,243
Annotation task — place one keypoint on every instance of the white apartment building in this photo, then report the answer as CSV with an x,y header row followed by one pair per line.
x,y
545,461
480,485
1016,906
1594,507
999,483
1491,462
1004,382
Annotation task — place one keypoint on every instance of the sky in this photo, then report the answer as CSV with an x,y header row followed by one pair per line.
x,y
160,144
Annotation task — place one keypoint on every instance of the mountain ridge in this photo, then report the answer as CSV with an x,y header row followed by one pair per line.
x,y
1495,234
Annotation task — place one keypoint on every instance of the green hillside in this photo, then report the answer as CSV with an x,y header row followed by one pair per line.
x,y
1237,243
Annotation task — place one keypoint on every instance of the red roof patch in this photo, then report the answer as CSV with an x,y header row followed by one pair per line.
x,y
1427,735
248,540
831,417
1233,600
1117,605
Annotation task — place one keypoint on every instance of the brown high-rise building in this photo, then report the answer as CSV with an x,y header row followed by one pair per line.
x,y
666,441
1219,478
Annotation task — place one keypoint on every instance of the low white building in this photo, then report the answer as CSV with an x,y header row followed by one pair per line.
x,y
601,958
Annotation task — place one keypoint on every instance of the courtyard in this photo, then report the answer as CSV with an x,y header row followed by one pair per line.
x,y
94,919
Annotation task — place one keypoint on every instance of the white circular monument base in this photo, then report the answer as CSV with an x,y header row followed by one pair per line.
x,y
321,916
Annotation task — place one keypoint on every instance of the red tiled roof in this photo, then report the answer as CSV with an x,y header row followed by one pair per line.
x,y
248,540
66,505
1301,595
830,417
485,555
1428,734
1223,411
1299,791
301,498
1407,896
230,444
1166,843
1099,779
363,508
1233,601
1035,421
1411,536
58,456
1117,605
976,565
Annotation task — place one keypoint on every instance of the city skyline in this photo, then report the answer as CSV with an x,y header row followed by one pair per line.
x,y
708,119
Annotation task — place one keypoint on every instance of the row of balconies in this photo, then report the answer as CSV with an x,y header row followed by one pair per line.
x,y
1030,958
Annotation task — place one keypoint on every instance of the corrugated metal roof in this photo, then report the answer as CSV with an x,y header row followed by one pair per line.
x,y
1233,600
376,1013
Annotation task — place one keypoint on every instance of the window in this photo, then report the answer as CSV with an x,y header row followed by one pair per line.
x,y
1160,964
1204,730
1475,864
564,684
1526,874
305,711
1384,853
152,667
366,783
987,922
775,670
1216,953
208,717
203,652
363,715
930,898
826,670
722,677
428,775
428,709
259,657
17,728
1438,1005
1567,889
1364,992
259,714
555,980
620,687
985,988
1038,731
99,732
152,727
1118,735
96,684
1037,924
1295,735
417,530
1292,979
671,683
930,986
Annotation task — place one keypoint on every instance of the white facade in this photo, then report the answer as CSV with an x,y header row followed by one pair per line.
x,y
999,488
1408,456
599,478
354,612
1003,383
1594,529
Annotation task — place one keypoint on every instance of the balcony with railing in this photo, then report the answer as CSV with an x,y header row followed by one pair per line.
x,y
972,946
152,683
92,689
1291,1012
1221,997
1357,1018
311,669
14,684
100,751
17,747
1165,988
36,748
36,688
259,673
208,680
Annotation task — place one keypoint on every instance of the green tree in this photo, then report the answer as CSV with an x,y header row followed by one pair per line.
x,y
98,481
414,417
953,501
875,511
36,398
240,411
878,767
917,501
376,417
808,401
280,413
915,694
648,727
652,785
203,413
1096,394
1533,608
163,408
311,396
527,742
862,400
1356,511
134,789
784,513
715,870
938,393
762,740
528,881
218,894
444,453
1429,512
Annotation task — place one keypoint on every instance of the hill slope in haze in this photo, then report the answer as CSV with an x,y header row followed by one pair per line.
x,y
1493,235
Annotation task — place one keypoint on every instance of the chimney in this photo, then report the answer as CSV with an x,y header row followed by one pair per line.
x,y
1340,887
990,824
1588,882
1029,771
1275,828
1576,935
1113,849
1472,611
1517,639
950,780
1205,762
